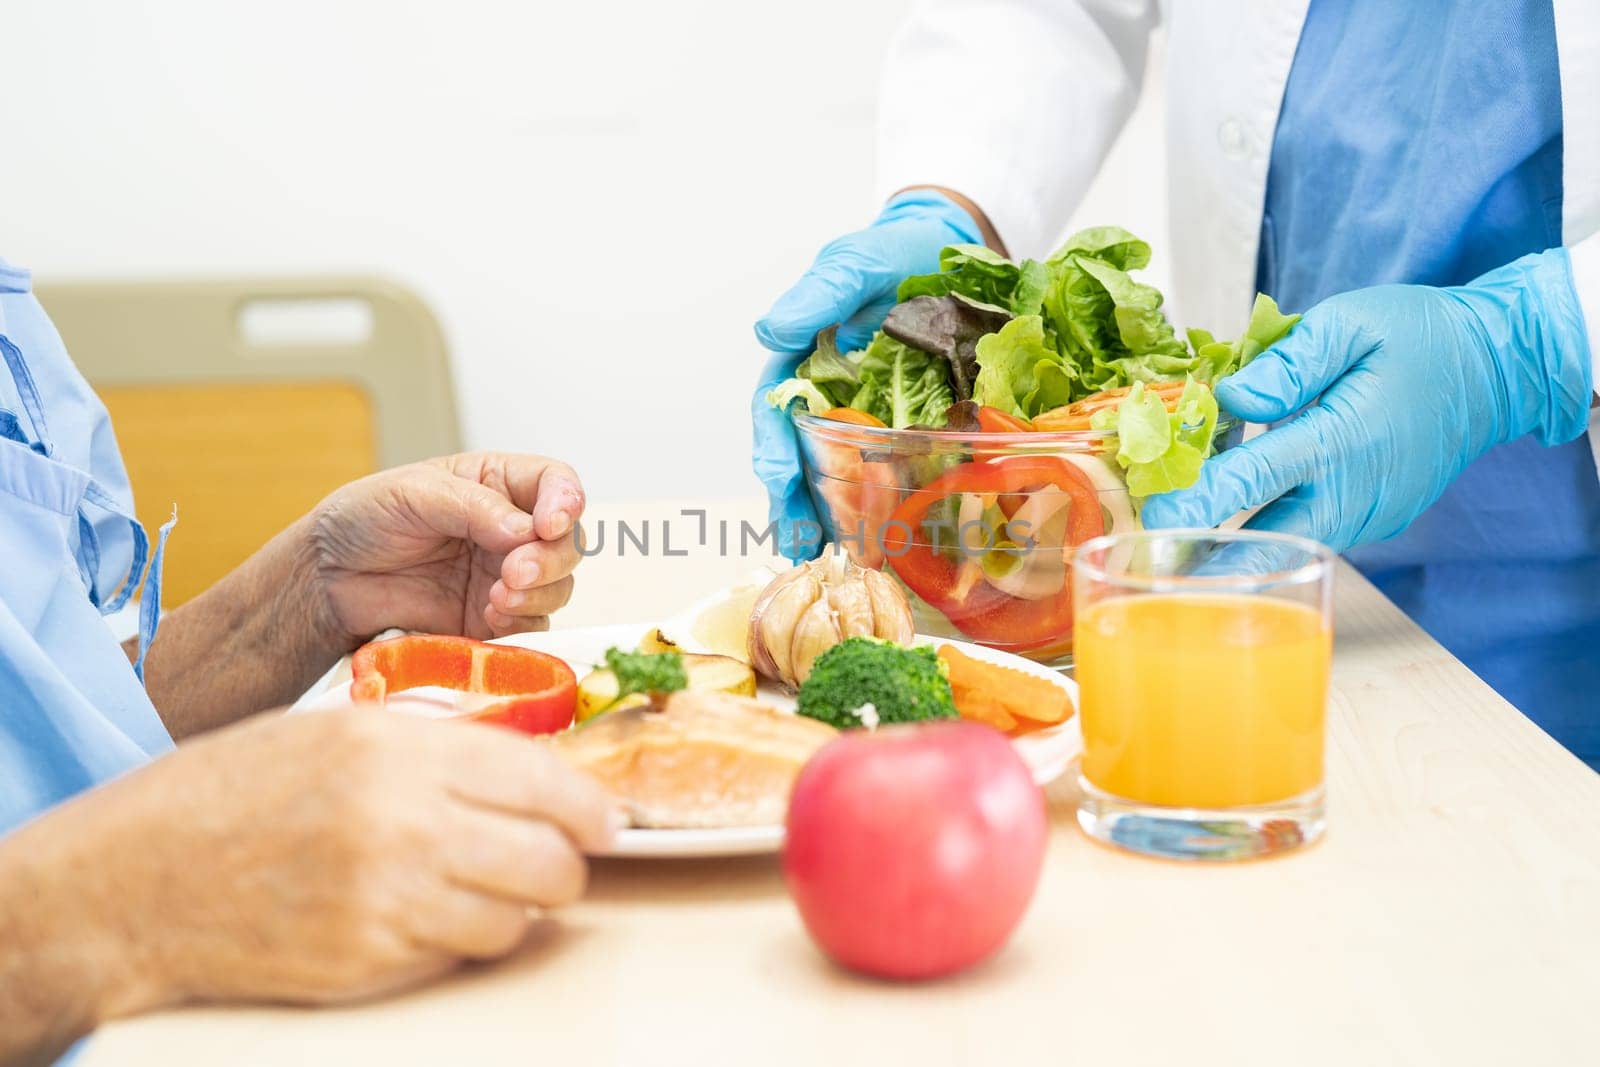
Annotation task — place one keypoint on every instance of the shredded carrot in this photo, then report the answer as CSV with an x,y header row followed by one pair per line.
x,y
1076,416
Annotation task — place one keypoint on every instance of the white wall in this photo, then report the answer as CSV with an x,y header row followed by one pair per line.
x,y
598,198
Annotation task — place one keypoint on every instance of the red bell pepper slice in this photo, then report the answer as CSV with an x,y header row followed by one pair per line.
x,y
542,690
985,613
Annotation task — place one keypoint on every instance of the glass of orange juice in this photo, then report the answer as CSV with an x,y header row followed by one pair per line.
x,y
1202,667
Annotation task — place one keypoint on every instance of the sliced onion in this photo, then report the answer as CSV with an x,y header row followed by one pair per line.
x,y
1111,489
1044,566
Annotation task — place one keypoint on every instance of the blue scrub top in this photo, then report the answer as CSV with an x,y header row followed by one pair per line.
x,y
72,710
1421,142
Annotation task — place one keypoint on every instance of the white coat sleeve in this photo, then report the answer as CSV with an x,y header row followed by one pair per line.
x,y
1012,103
1586,280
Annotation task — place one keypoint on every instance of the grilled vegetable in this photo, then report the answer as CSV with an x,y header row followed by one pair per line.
x,y
608,688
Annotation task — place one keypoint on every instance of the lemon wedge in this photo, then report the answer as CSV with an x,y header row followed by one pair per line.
x,y
718,625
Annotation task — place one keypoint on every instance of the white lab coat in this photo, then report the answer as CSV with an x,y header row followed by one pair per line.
x,y
1014,103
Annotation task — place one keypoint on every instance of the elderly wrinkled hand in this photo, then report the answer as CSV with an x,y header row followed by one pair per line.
x,y
479,544
1390,393
853,283
380,850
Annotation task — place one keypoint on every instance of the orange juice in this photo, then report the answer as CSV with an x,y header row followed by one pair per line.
x,y
1202,701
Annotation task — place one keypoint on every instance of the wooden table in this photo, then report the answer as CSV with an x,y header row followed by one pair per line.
x,y
1451,915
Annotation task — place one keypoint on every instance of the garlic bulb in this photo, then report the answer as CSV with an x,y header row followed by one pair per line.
x,y
807,610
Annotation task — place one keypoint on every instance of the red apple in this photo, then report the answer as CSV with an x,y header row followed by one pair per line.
x,y
912,851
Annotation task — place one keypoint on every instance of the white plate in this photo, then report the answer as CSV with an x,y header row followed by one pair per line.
x,y
1046,752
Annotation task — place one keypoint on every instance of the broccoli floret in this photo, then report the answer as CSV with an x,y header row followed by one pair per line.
x,y
901,684
646,672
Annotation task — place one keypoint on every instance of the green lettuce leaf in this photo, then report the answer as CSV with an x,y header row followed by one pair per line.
x,y
834,373
1082,324
1079,313
791,389
1112,244
1009,364
1267,327
1111,330
1194,420
1054,385
901,385
1136,309
825,380
1215,360
1111,325
1033,279
1161,450
982,274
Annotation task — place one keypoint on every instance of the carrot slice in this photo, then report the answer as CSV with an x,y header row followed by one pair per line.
x,y
1022,695
980,707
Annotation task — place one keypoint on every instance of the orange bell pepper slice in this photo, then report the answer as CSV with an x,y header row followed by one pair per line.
x,y
541,690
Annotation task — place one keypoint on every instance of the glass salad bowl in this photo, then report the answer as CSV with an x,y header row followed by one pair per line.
x,y
978,527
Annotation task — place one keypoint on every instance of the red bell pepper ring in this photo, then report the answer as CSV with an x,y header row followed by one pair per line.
x,y
985,613
541,690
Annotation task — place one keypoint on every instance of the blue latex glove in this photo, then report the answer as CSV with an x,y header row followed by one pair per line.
x,y
1413,384
852,282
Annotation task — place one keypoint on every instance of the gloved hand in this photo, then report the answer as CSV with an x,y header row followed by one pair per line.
x,y
853,282
1414,384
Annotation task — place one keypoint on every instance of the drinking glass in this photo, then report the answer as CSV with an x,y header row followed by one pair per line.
x,y
1202,666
